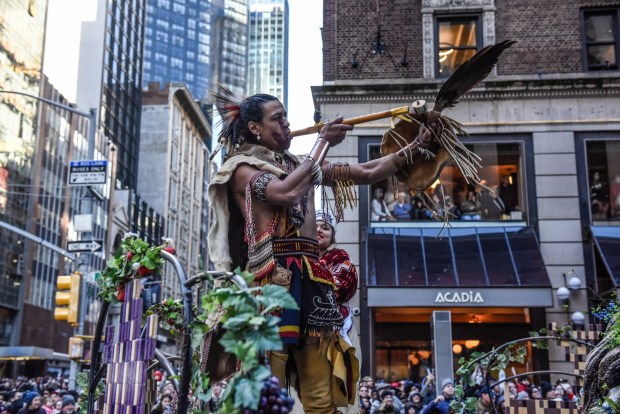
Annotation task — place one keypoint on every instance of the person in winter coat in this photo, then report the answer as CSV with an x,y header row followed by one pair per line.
x,y
441,403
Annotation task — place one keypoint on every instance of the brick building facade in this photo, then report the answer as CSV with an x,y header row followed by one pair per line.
x,y
545,122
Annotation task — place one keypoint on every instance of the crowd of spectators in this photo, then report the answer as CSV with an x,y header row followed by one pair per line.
x,y
41,395
466,203
408,397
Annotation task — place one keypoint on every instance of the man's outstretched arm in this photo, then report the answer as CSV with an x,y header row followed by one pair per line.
x,y
376,170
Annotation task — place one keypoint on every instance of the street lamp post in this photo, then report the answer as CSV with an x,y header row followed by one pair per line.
x,y
86,208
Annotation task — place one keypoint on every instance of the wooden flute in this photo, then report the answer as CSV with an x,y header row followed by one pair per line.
x,y
417,107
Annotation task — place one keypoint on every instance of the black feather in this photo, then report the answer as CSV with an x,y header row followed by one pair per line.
x,y
469,74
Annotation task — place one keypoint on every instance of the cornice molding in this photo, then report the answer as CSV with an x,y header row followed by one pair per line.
x,y
492,90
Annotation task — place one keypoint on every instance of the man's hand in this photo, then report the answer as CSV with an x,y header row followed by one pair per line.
x,y
439,399
334,132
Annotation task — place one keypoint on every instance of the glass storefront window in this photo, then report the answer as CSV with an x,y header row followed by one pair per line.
x,y
604,179
404,351
502,172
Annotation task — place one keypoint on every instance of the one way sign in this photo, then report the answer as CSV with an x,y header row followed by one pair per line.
x,y
85,246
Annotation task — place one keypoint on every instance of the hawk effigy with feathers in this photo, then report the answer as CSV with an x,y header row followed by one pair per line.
x,y
426,165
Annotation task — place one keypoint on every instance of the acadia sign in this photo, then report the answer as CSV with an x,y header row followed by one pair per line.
x,y
451,297
459,297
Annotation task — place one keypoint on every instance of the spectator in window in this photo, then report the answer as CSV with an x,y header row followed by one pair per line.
x,y
379,209
599,197
508,194
402,209
452,210
470,208
491,205
419,210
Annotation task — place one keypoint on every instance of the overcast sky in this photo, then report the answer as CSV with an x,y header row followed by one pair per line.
x,y
305,66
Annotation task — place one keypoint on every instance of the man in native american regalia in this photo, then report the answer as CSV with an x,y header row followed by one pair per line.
x,y
262,201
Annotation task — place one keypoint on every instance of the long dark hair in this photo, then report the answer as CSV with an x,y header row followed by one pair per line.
x,y
236,112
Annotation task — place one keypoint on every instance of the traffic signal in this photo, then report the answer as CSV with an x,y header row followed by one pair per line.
x,y
76,348
67,298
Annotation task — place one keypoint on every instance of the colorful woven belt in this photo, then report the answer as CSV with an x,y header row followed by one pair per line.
x,y
296,246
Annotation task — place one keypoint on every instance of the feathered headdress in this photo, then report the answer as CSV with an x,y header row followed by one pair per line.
x,y
229,105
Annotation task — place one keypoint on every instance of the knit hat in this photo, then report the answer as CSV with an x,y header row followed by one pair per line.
x,y
413,394
523,395
447,381
67,400
545,387
387,392
29,396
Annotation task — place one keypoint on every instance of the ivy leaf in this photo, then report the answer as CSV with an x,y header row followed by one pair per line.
x,y
148,263
275,296
257,320
247,392
239,322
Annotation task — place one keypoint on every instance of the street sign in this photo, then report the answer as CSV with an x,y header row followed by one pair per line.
x,y
85,246
88,172
83,222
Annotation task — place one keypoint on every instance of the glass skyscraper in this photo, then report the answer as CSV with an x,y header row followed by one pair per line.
x,y
230,44
177,46
122,84
268,48
22,26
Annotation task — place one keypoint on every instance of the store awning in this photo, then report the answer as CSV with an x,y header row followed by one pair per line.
x,y
607,242
465,266
20,353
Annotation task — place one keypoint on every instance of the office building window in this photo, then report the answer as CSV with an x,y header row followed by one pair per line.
x,y
502,172
601,39
458,39
604,179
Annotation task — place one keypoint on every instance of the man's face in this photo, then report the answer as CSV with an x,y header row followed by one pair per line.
x,y
18,395
448,390
274,127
